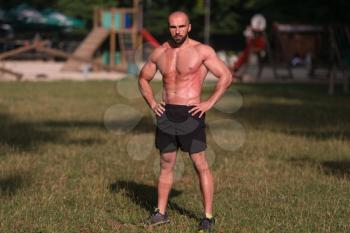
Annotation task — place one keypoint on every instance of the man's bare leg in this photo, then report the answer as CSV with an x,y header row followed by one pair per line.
x,y
165,180
205,180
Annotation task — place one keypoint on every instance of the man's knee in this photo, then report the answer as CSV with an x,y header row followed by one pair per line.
x,y
167,161
200,163
202,167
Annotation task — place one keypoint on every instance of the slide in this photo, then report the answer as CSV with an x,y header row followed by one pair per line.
x,y
86,49
149,38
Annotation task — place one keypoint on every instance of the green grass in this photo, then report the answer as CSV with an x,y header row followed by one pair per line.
x,y
62,170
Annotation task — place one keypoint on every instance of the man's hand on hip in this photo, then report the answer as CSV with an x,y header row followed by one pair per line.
x,y
159,108
200,108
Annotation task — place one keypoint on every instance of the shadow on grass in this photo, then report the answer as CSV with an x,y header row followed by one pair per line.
x,y
295,109
28,136
296,91
24,136
146,196
146,125
305,110
309,120
73,124
10,184
339,169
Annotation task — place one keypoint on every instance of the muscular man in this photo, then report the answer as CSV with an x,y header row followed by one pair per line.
x,y
183,64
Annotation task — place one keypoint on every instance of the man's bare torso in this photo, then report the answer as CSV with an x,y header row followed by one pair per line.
x,y
183,72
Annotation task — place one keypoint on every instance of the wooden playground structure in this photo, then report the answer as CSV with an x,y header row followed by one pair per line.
x,y
118,28
121,28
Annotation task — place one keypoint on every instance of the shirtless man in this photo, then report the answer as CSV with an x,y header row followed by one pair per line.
x,y
184,64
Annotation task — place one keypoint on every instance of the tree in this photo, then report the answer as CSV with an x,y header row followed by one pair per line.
x,y
227,16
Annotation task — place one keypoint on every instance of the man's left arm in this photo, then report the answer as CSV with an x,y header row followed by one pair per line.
x,y
220,70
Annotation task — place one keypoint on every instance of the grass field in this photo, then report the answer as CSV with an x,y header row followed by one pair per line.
x,y
79,157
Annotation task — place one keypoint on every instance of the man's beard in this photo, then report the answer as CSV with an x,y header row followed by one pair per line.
x,y
180,40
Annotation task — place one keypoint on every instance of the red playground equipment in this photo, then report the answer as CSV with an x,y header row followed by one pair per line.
x,y
255,43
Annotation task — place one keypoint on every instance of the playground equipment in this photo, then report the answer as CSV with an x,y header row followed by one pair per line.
x,y
296,44
315,46
256,43
14,52
86,49
17,75
112,23
148,37
122,27
309,46
41,46
111,45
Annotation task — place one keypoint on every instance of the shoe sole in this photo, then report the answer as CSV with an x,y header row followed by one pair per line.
x,y
157,224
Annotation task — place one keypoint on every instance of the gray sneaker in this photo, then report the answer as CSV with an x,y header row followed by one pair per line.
x,y
206,225
156,218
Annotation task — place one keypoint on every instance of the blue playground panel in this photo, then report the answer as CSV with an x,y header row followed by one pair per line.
x,y
121,21
105,58
107,20
128,20
133,69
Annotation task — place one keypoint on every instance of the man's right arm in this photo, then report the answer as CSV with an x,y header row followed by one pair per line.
x,y
146,75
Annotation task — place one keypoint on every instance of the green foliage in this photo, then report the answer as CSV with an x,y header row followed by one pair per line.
x,y
35,3
83,8
227,16
309,11
224,18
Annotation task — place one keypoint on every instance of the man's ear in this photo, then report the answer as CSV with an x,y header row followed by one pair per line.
x,y
189,28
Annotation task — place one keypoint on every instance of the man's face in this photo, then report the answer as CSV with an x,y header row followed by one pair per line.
x,y
179,28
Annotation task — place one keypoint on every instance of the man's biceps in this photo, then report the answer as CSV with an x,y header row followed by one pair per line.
x,y
150,66
148,70
216,66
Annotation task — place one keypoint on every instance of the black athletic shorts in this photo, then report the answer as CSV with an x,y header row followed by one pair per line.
x,y
177,128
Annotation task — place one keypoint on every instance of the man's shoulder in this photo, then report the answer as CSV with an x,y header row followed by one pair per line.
x,y
204,49
161,48
195,42
165,45
157,52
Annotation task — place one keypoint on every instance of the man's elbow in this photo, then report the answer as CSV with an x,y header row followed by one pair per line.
x,y
229,79
142,80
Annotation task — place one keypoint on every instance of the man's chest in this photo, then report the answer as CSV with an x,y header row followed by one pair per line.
x,y
181,62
